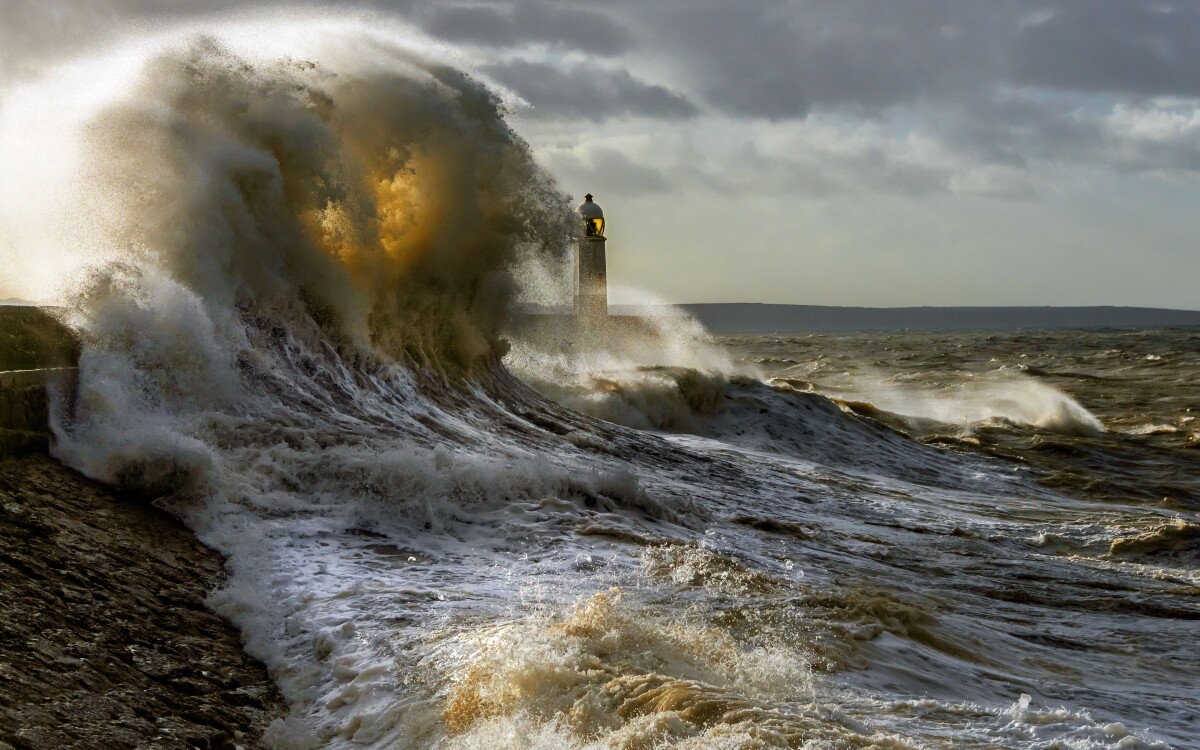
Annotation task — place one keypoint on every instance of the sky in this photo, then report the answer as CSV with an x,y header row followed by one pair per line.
x,y
834,152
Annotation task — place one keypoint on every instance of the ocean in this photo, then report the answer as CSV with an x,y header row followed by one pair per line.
x,y
438,535
973,539
874,540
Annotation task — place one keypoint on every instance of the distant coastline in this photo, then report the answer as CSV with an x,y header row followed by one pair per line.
x,y
754,317
767,318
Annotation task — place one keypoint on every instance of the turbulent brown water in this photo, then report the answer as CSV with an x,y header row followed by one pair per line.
x,y
1111,414
292,337
974,515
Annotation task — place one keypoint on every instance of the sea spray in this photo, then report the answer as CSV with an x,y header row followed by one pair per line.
x,y
660,371
292,336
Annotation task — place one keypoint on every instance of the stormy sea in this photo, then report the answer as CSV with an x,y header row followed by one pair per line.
x,y
303,247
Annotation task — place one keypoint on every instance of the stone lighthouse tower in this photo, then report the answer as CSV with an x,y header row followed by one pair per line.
x,y
591,278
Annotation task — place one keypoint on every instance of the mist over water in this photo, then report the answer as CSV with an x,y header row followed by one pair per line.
x,y
299,271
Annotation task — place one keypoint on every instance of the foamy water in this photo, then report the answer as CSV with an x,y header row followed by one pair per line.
x,y
292,338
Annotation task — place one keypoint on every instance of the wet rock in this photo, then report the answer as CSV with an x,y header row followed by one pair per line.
x,y
105,641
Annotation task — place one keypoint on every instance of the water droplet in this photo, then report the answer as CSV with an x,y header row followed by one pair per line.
x,y
788,564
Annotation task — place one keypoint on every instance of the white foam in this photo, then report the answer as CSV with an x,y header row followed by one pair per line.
x,y
290,343
997,397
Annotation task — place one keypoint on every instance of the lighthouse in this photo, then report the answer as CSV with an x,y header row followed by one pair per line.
x,y
591,278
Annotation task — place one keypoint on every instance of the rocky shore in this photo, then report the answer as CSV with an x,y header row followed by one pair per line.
x,y
105,640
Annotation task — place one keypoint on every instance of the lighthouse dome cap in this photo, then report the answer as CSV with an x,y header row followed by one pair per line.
x,y
590,210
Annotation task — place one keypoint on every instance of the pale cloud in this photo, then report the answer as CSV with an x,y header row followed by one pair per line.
x,y
1160,124
813,159
1160,139
609,170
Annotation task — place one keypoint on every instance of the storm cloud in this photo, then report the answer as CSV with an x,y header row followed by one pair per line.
x,y
1112,46
859,114
768,59
1001,83
561,26
589,92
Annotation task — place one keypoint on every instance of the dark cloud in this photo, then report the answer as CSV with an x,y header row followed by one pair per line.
x,y
1007,83
780,60
477,24
589,92
555,24
775,59
1113,46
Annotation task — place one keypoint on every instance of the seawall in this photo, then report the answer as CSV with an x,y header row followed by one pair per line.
x,y
569,333
38,354
25,402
